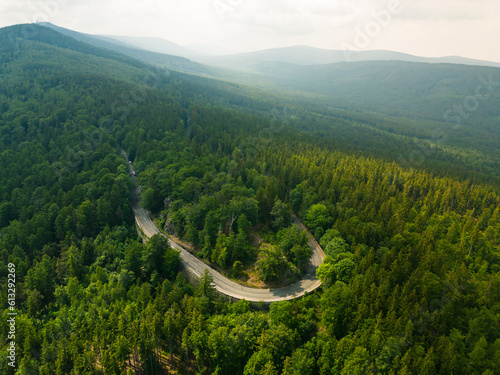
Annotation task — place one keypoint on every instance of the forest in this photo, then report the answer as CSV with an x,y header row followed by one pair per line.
x,y
411,280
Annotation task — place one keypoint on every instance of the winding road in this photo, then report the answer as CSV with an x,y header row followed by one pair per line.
x,y
227,287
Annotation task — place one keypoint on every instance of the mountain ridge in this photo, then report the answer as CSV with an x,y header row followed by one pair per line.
x,y
297,54
307,55
173,62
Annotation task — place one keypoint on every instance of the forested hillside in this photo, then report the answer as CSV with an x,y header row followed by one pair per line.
x,y
411,281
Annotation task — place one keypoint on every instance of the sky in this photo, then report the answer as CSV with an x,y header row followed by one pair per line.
x,y
431,28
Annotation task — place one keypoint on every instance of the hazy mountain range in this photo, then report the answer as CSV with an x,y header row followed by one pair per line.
x,y
389,83
300,55
305,55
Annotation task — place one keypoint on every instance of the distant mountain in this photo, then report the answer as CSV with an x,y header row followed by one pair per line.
x,y
172,62
305,55
157,45
15,35
210,49
416,90
395,87
379,81
411,98
171,55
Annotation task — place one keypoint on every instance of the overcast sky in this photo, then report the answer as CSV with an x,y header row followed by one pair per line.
x,y
421,27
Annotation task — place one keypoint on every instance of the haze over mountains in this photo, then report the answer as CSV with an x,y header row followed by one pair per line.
x,y
383,82
300,55
306,55
408,97
158,45
170,61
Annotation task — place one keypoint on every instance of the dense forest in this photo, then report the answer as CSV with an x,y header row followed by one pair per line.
x,y
411,281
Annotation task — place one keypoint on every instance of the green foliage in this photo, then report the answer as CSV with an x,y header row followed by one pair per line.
x,y
282,313
243,226
151,200
300,363
329,235
335,246
318,219
281,215
238,267
132,261
261,363
344,270
271,265
206,288
338,307
294,245
279,341
158,258
326,272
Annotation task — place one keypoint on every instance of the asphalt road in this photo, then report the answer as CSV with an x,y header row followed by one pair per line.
x,y
229,288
